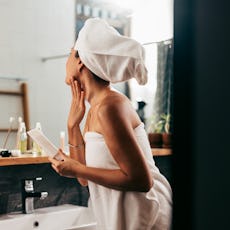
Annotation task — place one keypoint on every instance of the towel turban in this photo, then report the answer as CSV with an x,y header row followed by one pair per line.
x,y
110,55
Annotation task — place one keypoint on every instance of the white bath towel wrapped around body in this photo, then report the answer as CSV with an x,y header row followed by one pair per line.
x,y
117,210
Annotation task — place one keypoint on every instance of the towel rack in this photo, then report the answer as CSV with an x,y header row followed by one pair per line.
x,y
23,93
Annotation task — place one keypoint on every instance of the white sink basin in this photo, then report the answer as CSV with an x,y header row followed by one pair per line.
x,y
63,217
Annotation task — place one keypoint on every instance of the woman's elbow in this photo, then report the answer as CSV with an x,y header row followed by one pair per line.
x,y
142,184
145,181
146,185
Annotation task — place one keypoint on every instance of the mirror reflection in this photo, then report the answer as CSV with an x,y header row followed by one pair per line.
x,y
113,159
35,42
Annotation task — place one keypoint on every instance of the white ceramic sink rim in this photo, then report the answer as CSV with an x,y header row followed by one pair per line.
x,y
57,217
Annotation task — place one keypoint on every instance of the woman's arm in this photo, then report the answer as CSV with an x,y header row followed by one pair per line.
x,y
77,149
117,120
114,179
76,114
119,135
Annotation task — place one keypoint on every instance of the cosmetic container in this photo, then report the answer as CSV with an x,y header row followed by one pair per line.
x,y
36,149
23,138
18,133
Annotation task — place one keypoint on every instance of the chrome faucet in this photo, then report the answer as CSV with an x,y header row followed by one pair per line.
x,y
28,194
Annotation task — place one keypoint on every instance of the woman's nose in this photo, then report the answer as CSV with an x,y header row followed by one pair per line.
x,y
67,80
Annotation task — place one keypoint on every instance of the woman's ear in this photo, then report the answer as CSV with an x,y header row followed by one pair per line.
x,y
80,65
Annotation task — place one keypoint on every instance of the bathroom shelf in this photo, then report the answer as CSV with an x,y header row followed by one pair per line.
x,y
161,152
23,160
29,159
23,93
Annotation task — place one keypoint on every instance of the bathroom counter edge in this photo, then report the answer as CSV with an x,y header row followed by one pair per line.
x,y
5,161
24,160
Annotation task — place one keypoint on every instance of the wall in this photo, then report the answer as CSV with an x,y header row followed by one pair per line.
x,y
29,31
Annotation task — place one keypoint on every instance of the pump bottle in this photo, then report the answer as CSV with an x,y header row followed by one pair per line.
x,y
36,149
23,138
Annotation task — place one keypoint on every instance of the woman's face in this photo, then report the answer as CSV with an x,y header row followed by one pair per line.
x,y
72,68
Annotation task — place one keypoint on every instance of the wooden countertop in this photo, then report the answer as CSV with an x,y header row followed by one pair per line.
x,y
23,160
161,152
30,159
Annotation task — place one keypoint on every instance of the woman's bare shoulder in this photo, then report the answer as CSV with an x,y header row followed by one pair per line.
x,y
115,96
117,107
114,100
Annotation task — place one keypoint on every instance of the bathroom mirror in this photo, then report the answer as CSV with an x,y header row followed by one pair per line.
x,y
36,38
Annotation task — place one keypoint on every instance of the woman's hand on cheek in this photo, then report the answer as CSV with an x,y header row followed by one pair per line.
x,y
77,109
66,167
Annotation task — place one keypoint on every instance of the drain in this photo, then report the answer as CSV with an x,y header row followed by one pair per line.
x,y
36,224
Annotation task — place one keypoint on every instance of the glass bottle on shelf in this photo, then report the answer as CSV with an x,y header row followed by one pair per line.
x,y
23,138
36,149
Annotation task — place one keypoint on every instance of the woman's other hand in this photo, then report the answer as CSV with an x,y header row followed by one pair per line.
x,y
66,167
77,109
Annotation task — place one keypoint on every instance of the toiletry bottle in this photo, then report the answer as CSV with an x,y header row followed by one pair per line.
x,y
8,132
18,133
23,138
36,149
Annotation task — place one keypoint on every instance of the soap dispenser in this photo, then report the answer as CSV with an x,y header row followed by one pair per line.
x,y
36,149
23,138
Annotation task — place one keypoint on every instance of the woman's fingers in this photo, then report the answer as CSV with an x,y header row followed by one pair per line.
x,y
77,86
53,161
57,163
62,155
77,109
82,99
73,89
76,89
71,86
67,167
54,167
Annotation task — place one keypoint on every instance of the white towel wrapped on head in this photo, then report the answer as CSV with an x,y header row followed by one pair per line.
x,y
109,55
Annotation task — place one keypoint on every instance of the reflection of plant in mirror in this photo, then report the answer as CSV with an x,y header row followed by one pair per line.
x,y
166,120
162,125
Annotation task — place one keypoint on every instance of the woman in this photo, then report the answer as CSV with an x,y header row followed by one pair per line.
x,y
113,156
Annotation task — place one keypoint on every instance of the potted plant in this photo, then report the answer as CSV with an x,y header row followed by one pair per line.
x,y
154,132
166,134
159,131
